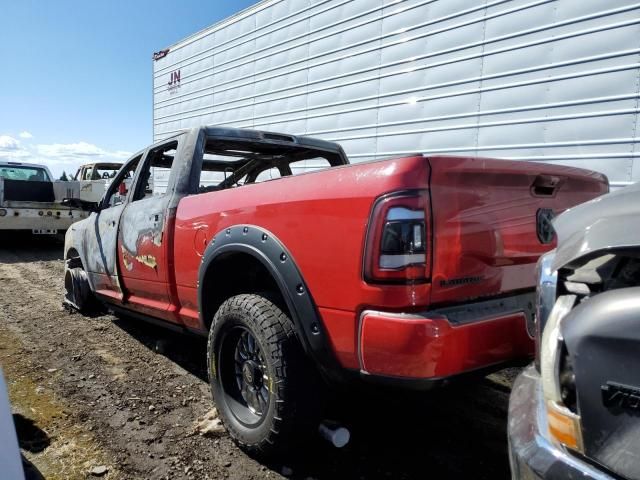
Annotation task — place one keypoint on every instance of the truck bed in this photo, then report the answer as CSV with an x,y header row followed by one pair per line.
x,y
483,234
32,206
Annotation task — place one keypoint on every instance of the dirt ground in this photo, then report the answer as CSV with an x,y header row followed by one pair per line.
x,y
121,394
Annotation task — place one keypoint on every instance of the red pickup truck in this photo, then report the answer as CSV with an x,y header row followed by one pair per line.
x,y
304,271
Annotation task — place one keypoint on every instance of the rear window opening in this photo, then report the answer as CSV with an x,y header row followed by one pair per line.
x,y
230,164
98,171
29,174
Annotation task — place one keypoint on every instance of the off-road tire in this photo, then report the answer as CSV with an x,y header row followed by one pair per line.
x,y
295,390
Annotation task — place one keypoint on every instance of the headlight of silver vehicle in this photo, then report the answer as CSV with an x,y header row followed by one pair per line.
x,y
564,424
546,291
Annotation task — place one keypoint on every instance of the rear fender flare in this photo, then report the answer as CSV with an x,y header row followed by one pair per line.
x,y
265,247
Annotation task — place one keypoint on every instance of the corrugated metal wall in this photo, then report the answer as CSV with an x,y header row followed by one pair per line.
x,y
547,80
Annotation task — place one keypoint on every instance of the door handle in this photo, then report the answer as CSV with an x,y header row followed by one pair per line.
x,y
545,185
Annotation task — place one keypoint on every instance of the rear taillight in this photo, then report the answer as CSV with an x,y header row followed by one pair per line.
x,y
398,239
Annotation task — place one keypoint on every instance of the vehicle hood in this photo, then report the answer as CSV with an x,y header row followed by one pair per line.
x,y
607,222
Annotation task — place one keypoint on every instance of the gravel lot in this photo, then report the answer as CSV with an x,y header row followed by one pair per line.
x,y
121,394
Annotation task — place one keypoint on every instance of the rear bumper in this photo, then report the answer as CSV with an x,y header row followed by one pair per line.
x,y
38,219
444,343
531,453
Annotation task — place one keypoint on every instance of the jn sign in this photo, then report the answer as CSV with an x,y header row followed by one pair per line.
x,y
174,80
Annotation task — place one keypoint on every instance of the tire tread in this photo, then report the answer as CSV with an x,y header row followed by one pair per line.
x,y
294,403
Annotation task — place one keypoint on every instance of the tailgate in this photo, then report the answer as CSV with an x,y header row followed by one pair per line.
x,y
491,221
27,191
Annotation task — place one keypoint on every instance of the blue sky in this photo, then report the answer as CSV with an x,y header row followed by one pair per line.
x,y
75,76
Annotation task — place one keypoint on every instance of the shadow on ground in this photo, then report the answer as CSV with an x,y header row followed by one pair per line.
x,y
187,351
459,432
30,470
30,248
30,437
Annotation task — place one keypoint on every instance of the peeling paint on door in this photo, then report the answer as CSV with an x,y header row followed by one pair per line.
x,y
148,260
125,259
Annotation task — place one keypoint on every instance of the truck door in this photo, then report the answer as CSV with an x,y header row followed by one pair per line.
x,y
145,235
101,239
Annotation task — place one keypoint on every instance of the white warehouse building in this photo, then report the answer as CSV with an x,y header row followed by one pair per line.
x,y
545,80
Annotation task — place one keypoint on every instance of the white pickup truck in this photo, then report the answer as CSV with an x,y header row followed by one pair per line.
x,y
94,178
30,200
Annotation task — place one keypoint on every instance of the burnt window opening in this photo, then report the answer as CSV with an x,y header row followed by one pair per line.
x,y
121,186
234,163
154,176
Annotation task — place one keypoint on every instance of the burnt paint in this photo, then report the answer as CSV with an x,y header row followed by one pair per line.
x,y
144,261
101,247
146,240
96,241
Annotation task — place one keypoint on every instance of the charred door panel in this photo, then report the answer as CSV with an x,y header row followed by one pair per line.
x,y
146,233
143,255
102,236
101,251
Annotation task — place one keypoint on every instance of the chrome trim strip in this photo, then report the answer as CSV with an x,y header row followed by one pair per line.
x,y
546,288
550,348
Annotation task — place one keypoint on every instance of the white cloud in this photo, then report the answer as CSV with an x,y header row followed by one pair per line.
x,y
10,148
8,143
25,134
57,156
80,150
